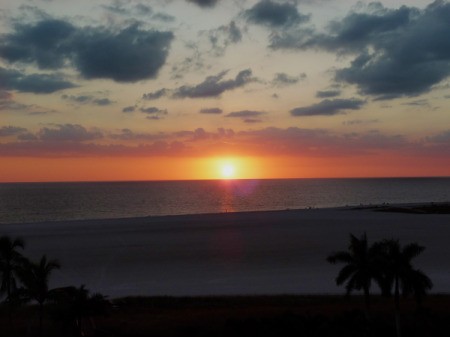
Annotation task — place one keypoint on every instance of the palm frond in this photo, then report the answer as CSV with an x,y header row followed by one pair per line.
x,y
345,273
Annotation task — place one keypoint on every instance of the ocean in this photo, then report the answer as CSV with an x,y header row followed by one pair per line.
x,y
37,202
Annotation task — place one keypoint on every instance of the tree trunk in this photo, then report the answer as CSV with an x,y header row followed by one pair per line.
x,y
368,331
80,329
41,318
397,308
367,302
9,302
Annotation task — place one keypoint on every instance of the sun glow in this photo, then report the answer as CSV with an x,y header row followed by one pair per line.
x,y
230,168
228,171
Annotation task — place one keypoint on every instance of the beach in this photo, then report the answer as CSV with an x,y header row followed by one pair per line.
x,y
269,252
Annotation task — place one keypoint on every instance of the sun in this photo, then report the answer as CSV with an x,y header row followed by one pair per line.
x,y
227,171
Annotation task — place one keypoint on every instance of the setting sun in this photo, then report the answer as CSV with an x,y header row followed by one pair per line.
x,y
228,171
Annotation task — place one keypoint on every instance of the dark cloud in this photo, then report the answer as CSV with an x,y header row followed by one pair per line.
x,y
6,131
220,38
152,110
76,140
214,86
128,55
328,107
274,14
283,79
155,95
103,101
58,149
163,17
351,34
244,114
77,99
211,111
154,113
35,83
360,121
88,99
124,8
358,30
411,51
12,105
44,43
194,61
27,136
201,134
322,143
204,3
328,93
144,9
7,102
441,138
293,38
129,135
225,133
40,113
252,120
68,133
418,102
399,52
128,109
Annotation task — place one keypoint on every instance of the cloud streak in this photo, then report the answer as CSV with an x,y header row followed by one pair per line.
x,y
88,99
33,83
274,14
211,111
214,86
329,107
68,133
204,3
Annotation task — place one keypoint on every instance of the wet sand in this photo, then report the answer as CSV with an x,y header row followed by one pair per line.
x,y
279,252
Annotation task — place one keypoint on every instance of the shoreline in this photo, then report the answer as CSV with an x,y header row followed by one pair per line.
x,y
242,253
381,207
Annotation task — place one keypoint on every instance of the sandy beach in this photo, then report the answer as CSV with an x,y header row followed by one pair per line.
x,y
279,252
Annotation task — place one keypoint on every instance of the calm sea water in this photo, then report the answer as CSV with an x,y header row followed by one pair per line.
x,y
33,202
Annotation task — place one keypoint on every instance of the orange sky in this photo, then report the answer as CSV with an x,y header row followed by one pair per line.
x,y
160,168
282,89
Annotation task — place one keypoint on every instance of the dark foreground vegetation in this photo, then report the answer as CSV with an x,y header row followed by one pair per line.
x,y
31,308
248,316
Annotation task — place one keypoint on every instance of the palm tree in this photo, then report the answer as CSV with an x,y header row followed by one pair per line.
x,y
360,267
10,261
397,269
77,305
34,277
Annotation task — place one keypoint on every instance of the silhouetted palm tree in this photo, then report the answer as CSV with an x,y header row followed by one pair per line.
x,y
76,305
397,269
10,262
360,267
34,277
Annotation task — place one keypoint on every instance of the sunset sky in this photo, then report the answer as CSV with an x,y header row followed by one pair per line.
x,y
179,89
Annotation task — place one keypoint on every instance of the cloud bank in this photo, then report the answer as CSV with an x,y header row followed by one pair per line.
x,y
399,52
